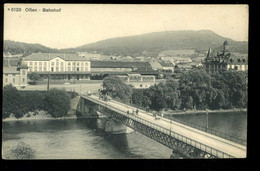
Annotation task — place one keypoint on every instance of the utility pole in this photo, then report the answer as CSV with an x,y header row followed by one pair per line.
x,y
48,85
171,128
74,71
207,121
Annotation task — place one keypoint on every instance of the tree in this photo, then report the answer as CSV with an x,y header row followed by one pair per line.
x,y
237,85
163,95
187,103
57,102
22,151
196,84
12,102
146,102
231,89
117,89
172,94
35,77
34,100
137,97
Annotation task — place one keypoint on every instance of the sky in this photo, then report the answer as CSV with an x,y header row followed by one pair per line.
x,y
79,24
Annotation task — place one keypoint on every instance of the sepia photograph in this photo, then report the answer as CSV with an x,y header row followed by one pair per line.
x,y
124,81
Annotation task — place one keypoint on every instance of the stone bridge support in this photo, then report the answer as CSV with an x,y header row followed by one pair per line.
x,y
86,109
115,127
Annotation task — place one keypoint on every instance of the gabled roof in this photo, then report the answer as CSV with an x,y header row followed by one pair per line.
x,y
10,70
166,64
50,56
119,64
9,61
236,60
22,67
155,65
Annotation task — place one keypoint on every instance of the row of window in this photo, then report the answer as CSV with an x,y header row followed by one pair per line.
x,y
77,66
239,67
57,63
59,69
6,80
23,73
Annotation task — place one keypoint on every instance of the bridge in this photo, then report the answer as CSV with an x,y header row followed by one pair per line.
x,y
182,139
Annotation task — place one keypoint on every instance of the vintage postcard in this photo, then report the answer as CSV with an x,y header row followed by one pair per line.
x,y
103,81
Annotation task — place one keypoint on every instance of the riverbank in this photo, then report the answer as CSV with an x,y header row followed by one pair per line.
x,y
43,115
188,112
40,115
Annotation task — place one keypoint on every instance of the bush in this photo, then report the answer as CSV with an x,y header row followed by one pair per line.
x,y
116,88
18,103
12,102
57,102
22,151
34,77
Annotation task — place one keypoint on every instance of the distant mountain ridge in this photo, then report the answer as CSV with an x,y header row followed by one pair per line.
x,y
167,40
14,47
150,44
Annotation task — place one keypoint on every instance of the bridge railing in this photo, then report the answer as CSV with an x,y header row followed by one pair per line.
x,y
182,138
171,133
211,131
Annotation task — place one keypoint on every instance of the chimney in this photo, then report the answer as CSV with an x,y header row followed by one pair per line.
x,y
9,65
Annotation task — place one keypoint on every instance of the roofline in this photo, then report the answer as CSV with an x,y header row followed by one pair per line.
x,y
55,57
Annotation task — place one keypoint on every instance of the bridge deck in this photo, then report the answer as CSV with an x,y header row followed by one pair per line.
x,y
221,144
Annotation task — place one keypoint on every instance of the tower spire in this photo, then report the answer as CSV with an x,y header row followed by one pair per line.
x,y
209,53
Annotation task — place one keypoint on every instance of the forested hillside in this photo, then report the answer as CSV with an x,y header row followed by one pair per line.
x,y
160,41
25,48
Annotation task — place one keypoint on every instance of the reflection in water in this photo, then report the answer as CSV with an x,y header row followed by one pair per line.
x,y
78,139
87,123
226,122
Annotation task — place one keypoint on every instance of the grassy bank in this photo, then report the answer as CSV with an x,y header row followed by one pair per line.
x,y
39,115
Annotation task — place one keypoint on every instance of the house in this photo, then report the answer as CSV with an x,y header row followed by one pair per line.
x,y
138,80
155,65
64,65
8,54
182,60
224,60
117,66
15,75
69,66
167,66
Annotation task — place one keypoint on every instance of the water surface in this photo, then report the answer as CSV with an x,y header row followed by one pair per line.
x,y
86,139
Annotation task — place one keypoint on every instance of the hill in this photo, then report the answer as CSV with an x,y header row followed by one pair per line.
x,y
150,44
25,48
161,41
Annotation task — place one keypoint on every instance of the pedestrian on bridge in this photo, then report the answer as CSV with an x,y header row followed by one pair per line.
x,y
147,109
137,111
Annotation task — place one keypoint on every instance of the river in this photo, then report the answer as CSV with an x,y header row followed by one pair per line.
x,y
86,139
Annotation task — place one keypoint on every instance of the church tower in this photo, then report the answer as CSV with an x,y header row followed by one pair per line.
x,y
225,47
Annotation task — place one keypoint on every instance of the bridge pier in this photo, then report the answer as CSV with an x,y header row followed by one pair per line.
x,y
176,155
115,127
86,109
